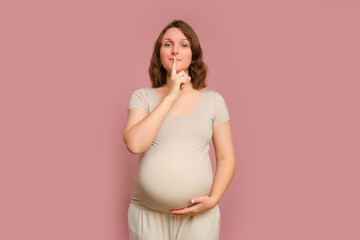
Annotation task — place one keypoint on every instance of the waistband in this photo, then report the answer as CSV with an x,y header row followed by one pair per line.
x,y
138,205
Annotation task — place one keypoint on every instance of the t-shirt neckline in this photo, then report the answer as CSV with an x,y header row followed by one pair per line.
x,y
186,115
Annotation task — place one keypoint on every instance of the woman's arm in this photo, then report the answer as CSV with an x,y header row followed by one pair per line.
x,y
141,128
225,159
225,167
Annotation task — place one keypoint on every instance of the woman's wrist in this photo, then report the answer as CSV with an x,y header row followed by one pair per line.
x,y
215,200
169,98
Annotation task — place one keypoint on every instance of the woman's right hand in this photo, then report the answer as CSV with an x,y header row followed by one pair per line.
x,y
177,81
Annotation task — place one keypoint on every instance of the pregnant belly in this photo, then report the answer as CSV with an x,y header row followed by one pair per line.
x,y
170,183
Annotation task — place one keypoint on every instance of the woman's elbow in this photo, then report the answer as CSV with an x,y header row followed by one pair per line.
x,y
133,148
134,151
129,145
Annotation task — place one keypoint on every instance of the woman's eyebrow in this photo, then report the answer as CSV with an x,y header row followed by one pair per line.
x,y
171,39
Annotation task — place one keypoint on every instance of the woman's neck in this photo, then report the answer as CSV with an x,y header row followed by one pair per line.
x,y
187,88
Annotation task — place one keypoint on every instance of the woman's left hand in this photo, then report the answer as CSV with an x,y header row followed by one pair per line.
x,y
200,204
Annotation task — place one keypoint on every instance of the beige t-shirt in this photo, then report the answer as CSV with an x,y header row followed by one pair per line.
x,y
176,166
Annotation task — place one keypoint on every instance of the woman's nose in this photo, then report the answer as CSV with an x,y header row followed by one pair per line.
x,y
175,49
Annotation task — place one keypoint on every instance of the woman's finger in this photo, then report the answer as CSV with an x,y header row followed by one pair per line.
x,y
181,74
197,199
187,210
173,70
182,79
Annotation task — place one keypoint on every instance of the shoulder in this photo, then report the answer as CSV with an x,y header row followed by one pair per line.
x,y
143,92
140,95
214,94
141,98
212,91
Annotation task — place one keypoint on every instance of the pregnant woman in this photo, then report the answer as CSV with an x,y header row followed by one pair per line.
x,y
170,125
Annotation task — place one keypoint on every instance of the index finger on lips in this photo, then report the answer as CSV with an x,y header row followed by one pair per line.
x,y
173,70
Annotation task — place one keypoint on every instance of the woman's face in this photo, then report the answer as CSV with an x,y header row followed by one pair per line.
x,y
174,43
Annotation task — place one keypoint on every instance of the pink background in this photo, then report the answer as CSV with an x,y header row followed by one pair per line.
x,y
289,72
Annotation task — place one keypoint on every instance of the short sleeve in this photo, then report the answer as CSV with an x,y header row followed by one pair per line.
x,y
138,100
221,111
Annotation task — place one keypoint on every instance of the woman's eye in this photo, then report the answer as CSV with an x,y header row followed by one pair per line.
x,y
169,44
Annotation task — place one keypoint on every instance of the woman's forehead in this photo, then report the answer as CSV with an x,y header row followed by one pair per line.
x,y
174,34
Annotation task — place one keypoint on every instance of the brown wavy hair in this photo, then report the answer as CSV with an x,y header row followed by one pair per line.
x,y
197,68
